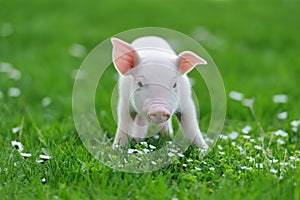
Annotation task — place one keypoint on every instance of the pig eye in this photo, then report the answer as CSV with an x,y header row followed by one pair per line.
x,y
175,85
140,84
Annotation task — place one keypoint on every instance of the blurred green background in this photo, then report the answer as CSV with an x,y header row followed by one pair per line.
x,y
255,45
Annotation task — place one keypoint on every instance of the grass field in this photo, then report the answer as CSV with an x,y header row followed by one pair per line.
x,y
255,45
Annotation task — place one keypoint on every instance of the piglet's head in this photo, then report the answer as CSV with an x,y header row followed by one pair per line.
x,y
156,85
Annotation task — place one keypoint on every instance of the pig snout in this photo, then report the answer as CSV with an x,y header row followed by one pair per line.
x,y
158,114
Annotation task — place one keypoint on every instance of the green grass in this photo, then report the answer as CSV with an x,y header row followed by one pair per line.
x,y
258,56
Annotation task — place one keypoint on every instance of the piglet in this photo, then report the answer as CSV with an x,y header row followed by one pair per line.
x,y
153,86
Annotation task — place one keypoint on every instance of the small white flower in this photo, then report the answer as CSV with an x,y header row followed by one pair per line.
x,y
252,140
156,136
144,143
153,162
284,163
40,161
16,129
295,129
274,171
46,101
233,143
169,142
281,142
280,98
281,133
25,155
198,169
233,135
247,136
130,151
282,115
258,147
295,123
248,102
180,155
170,154
247,129
274,161
212,169
14,74
292,158
17,145
174,198
224,137
146,150
43,180
5,67
236,95
14,92
45,157
184,165
125,161
139,159
259,165
220,147
189,160
151,146
221,153
77,50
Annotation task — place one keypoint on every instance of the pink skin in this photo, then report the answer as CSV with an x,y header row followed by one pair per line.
x,y
153,84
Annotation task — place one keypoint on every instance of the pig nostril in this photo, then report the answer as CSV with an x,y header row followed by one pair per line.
x,y
167,116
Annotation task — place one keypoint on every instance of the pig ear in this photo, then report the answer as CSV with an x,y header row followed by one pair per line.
x,y
187,60
124,56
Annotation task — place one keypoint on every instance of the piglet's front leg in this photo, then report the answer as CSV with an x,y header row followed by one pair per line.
x,y
124,125
139,128
189,124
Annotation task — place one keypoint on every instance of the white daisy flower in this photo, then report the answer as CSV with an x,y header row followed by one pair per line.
x,y
180,155
14,74
44,157
17,145
281,133
246,136
153,162
146,150
77,50
14,92
16,129
224,137
151,146
221,153
258,147
170,154
282,115
212,169
273,171
281,142
236,95
43,180
247,129
144,143
295,123
25,155
248,102
233,135
198,169
130,151
46,101
156,136
280,98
